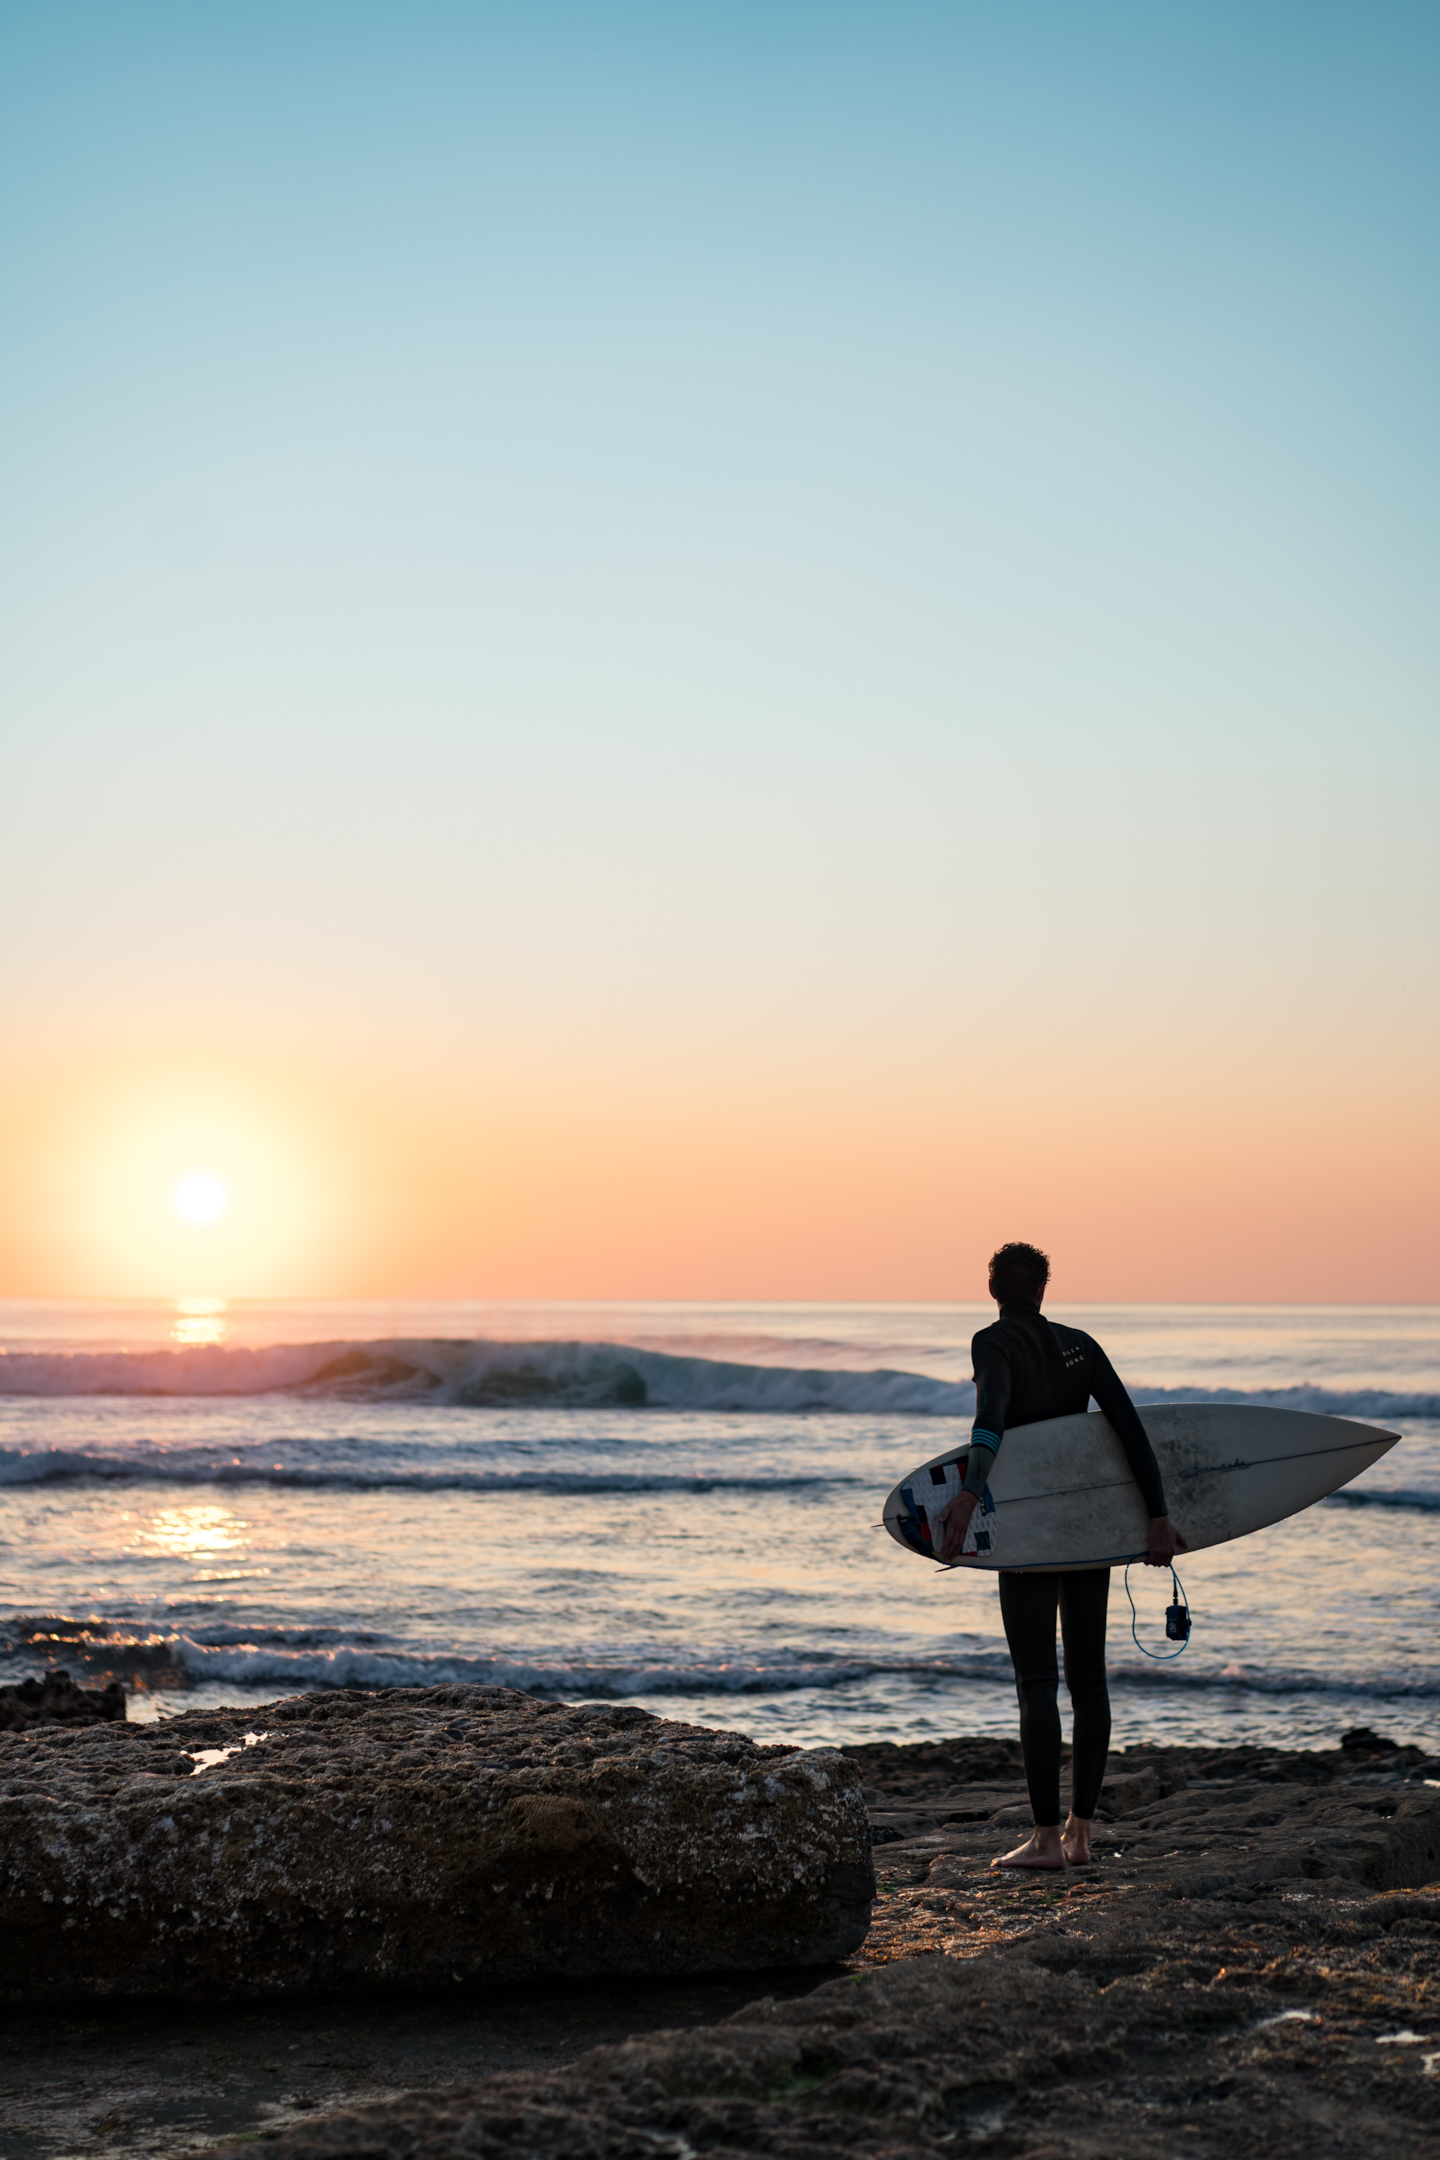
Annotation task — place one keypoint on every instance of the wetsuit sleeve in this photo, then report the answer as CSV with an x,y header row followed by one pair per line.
x,y
992,1401
1108,1391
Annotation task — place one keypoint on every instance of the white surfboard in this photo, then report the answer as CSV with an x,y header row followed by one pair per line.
x,y
1061,1495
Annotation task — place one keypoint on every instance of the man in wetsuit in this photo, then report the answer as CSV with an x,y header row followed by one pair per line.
x,y
1026,1368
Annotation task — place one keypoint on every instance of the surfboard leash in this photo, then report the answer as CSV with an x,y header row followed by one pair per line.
x,y
1177,1620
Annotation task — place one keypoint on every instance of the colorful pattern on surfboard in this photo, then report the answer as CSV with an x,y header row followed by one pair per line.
x,y
925,1497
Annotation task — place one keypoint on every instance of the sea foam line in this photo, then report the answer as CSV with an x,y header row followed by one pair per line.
x,y
481,1375
293,1665
503,1375
62,1466
29,1467
1407,1500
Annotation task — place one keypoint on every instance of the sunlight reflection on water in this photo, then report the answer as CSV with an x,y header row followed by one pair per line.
x,y
199,1321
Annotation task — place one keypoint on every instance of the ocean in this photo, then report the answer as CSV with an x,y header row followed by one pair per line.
x,y
670,1505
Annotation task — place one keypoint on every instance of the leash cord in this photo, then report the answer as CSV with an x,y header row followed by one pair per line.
x,y
1162,1657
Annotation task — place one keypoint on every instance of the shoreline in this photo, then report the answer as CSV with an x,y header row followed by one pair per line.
x,y
1255,1933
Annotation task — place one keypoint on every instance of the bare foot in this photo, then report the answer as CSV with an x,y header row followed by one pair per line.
x,y
1075,1841
1042,1849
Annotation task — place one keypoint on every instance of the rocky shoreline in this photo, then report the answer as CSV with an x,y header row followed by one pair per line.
x,y
1252,1965
55,1699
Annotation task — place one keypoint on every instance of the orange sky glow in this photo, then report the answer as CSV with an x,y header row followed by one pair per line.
x,y
732,1184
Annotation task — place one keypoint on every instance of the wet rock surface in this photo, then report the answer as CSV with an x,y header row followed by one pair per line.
x,y
411,1839
56,1700
1252,1965
130,2081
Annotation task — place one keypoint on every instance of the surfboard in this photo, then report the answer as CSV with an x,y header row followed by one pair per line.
x,y
1061,1495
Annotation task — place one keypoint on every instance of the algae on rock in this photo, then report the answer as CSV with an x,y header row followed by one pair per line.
x,y
414,1837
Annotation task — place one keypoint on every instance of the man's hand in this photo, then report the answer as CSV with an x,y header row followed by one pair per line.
x,y
1165,1542
955,1520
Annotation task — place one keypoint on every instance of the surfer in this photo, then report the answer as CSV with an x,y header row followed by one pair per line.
x,y
1027,1368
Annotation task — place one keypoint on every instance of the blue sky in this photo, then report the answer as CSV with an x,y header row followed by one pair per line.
x,y
737,537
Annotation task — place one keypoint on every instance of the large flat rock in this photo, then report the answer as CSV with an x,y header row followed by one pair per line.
x,y
411,1838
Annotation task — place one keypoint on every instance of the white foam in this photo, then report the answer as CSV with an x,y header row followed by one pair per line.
x,y
614,1375
481,1374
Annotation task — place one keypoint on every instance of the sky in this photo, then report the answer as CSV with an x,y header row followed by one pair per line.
x,y
719,650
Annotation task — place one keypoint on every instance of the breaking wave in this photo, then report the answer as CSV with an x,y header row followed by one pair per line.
x,y
1366,1403
350,1466
482,1375
290,1661
581,1375
197,1466
1420,1503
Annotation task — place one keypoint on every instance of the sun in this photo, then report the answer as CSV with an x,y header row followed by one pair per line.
x,y
200,1197
167,1182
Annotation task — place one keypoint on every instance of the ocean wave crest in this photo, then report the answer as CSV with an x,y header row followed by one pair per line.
x,y
1369,1403
343,1471
1270,1681
172,1466
482,1375
511,1375
1406,1499
294,1659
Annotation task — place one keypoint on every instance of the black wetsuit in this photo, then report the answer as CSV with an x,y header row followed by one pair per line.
x,y
1028,1368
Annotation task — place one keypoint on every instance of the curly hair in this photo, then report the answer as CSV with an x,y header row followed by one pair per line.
x,y
1019,1273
